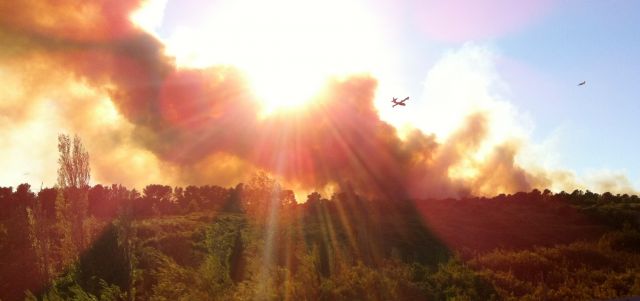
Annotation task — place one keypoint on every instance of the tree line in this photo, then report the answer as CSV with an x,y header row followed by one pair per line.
x,y
255,241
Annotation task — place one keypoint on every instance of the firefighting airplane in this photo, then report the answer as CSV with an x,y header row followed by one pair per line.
x,y
396,102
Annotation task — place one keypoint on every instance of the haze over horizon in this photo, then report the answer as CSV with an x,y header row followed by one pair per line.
x,y
181,92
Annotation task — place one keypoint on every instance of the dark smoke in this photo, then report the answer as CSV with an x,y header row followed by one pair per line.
x,y
186,116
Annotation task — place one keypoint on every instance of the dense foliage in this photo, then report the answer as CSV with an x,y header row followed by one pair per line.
x,y
254,241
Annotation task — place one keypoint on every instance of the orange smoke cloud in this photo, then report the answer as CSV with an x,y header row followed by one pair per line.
x,y
70,21
193,120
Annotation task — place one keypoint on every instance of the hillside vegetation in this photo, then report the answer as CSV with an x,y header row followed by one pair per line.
x,y
254,241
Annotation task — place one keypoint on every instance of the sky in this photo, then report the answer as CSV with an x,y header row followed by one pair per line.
x,y
594,41
591,129
195,92
540,50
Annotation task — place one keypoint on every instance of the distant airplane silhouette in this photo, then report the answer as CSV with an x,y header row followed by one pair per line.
x,y
396,102
582,83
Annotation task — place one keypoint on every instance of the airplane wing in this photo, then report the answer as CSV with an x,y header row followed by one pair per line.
x,y
396,102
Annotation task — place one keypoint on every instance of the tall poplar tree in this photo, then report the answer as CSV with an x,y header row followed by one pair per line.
x,y
72,201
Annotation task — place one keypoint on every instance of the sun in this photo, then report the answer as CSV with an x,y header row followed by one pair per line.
x,y
287,49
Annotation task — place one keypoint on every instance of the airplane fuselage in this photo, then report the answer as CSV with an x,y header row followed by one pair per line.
x,y
396,102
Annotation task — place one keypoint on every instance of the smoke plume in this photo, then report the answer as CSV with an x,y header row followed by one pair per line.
x,y
86,68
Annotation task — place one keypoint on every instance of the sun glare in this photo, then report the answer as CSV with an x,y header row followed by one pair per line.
x,y
287,48
149,16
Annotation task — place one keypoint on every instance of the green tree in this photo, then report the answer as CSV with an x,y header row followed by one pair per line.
x,y
71,203
73,170
64,246
126,233
40,242
159,197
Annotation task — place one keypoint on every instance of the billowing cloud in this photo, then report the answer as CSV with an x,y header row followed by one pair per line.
x,y
70,21
145,120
